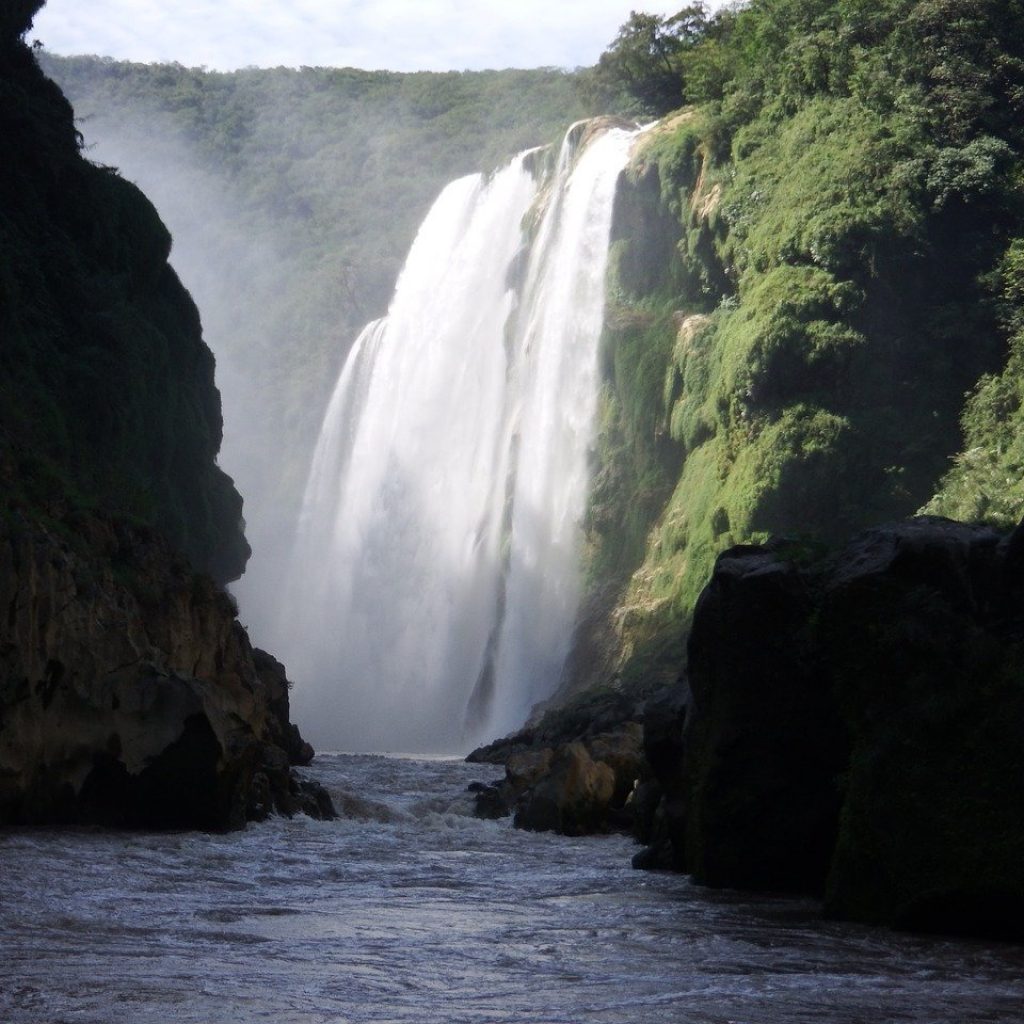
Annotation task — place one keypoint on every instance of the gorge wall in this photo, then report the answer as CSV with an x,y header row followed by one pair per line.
x,y
129,693
852,727
808,274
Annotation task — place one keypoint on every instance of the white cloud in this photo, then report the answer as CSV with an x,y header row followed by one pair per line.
x,y
403,35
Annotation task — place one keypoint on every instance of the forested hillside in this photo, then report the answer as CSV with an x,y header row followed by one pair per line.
x,y
817,256
293,197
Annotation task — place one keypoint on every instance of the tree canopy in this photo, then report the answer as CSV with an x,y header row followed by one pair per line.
x,y
643,69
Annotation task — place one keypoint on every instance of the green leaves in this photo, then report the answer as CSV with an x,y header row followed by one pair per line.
x,y
642,72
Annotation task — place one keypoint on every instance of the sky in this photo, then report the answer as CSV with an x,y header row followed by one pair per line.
x,y
400,35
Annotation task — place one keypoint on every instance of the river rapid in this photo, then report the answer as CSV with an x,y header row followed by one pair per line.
x,y
411,910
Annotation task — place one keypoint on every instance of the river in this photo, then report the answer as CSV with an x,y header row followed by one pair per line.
x,y
411,910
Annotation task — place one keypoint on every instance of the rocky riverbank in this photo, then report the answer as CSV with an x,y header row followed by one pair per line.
x,y
572,772
853,727
130,695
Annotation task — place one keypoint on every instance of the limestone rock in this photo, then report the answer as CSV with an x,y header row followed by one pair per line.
x,y
623,752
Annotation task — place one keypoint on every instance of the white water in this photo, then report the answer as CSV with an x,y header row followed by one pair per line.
x,y
410,912
435,579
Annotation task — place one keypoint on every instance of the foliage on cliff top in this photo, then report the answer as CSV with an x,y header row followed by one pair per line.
x,y
106,386
846,194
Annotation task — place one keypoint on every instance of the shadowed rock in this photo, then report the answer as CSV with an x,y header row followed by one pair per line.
x,y
856,729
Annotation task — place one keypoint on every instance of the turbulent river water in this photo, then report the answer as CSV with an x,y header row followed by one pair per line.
x,y
410,910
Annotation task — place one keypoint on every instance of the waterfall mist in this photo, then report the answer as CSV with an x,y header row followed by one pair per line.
x,y
230,271
427,599
435,577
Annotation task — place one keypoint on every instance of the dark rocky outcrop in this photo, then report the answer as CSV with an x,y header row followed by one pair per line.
x,y
107,395
854,727
572,797
129,693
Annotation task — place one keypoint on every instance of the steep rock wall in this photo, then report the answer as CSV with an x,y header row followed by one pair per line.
x,y
106,385
129,693
854,726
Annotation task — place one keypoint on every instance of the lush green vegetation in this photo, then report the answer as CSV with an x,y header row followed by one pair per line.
x,y
106,388
844,265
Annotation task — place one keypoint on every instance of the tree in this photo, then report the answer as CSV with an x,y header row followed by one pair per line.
x,y
643,70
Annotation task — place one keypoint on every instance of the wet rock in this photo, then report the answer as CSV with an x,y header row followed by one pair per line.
x,y
276,685
623,752
500,750
855,728
922,626
534,776
526,768
573,797
765,744
490,801
310,798
658,856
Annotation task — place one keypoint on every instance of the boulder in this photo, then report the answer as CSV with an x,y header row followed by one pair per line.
x,y
922,625
489,800
572,798
523,769
764,745
623,752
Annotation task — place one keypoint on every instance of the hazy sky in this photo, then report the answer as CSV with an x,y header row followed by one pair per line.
x,y
403,35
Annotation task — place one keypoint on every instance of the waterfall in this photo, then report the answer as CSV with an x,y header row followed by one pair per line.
x,y
435,578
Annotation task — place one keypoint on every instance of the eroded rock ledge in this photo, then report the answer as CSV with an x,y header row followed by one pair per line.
x,y
130,694
574,772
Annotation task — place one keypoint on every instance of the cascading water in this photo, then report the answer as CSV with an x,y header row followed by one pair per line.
x,y
435,579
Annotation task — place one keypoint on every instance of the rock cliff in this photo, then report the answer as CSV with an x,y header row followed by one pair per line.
x,y
129,692
106,385
853,727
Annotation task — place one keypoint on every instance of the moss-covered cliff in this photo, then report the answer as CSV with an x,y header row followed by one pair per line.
x,y
812,266
106,386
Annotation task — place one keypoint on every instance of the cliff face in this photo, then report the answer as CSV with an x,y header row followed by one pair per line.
x,y
106,385
129,692
854,727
